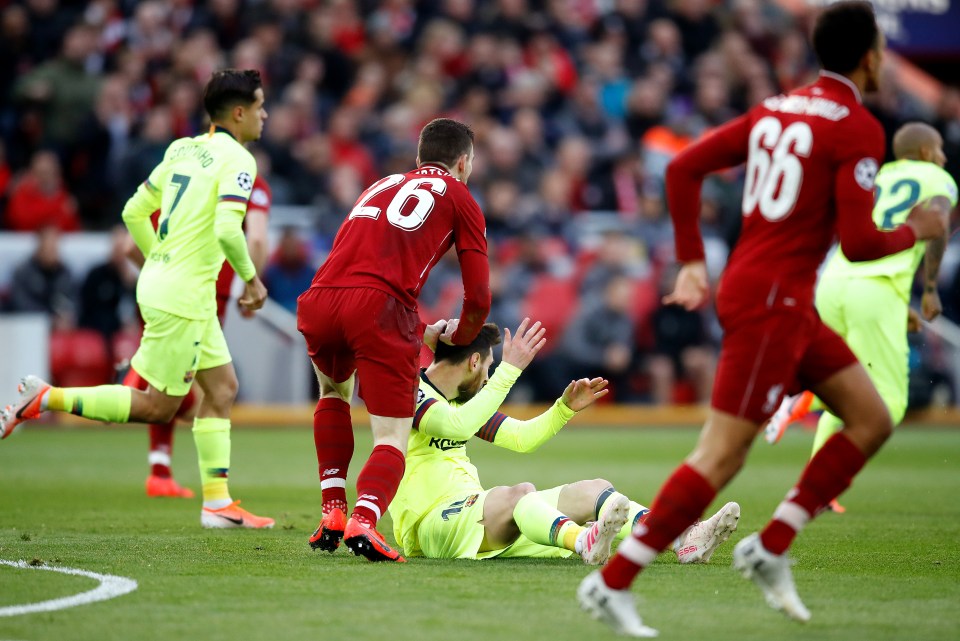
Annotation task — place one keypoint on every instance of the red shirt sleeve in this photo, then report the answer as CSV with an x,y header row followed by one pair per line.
x,y
470,239
724,147
854,194
261,198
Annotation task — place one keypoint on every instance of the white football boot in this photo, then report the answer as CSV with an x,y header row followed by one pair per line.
x,y
616,608
771,573
595,540
698,543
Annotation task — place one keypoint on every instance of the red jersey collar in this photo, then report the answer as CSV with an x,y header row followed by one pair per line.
x,y
435,165
835,77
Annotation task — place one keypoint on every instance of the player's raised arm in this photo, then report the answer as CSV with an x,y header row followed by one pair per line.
x,y
527,436
463,421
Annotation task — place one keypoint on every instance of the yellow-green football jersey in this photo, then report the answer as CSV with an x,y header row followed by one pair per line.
x,y
437,468
196,176
900,185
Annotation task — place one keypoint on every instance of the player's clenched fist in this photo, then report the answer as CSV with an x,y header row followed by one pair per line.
x,y
691,288
519,350
254,295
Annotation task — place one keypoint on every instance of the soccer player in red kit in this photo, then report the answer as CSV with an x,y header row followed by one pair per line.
x,y
360,320
811,159
160,482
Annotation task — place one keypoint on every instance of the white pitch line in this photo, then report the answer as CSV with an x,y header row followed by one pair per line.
x,y
110,587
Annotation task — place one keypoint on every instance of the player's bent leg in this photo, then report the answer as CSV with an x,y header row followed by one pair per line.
x,y
499,527
851,397
582,500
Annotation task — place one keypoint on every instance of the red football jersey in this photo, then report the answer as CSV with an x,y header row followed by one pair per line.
x,y
811,156
397,231
260,200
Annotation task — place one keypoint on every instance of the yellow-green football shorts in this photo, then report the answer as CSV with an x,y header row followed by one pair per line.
x,y
174,348
453,531
872,319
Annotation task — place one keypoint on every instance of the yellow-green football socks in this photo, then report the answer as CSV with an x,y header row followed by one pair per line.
x,y
636,513
544,524
212,438
110,403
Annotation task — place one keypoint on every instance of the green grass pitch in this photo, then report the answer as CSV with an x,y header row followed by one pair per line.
x,y
888,569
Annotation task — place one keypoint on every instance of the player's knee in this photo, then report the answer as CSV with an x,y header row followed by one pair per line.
x,y
519,491
223,396
594,487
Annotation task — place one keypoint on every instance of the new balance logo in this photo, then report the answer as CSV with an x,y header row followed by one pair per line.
x,y
330,472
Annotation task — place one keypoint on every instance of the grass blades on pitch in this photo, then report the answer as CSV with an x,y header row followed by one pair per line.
x,y
888,569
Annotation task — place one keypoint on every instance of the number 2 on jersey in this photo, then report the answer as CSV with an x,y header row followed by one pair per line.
x,y
423,198
774,172
182,182
911,196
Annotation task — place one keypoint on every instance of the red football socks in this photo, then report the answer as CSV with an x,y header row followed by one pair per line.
x,y
333,438
826,476
377,483
161,448
681,500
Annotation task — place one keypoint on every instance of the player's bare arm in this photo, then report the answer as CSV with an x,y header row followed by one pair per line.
x,y
930,305
930,221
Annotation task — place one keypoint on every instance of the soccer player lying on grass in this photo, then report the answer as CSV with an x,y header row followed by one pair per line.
x,y
442,511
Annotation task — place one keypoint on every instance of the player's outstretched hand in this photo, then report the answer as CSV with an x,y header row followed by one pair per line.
x,y
450,330
931,219
585,392
519,350
432,333
254,295
691,288
930,305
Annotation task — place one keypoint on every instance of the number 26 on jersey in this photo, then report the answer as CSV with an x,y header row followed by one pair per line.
x,y
417,196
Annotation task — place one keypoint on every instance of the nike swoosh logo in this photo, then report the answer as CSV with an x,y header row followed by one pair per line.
x,y
25,405
236,521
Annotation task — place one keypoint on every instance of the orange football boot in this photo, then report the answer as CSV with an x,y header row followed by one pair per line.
x,y
165,486
329,533
233,516
27,408
366,541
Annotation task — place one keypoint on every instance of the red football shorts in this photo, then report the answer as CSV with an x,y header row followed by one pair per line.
x,y
771,351
364,330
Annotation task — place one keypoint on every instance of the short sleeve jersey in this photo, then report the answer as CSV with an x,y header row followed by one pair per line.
x,y
195,177
798,147
399,229
900,186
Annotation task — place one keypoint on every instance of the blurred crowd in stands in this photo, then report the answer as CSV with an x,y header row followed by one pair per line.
x,y
578,105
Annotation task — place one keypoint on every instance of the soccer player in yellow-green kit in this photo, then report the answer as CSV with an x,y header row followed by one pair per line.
x,y
868,303
201,188
441,511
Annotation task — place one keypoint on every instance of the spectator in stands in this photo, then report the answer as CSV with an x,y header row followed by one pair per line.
x,y
681,350
599,340
40,199
65,87
290,272
44,284
107,295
